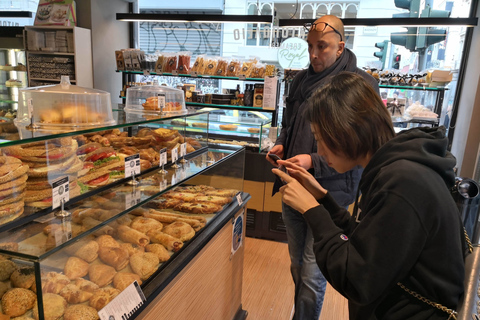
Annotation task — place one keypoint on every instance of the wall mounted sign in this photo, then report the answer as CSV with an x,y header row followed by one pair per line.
x,y
293,54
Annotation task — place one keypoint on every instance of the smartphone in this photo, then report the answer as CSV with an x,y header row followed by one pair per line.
x,y
274,157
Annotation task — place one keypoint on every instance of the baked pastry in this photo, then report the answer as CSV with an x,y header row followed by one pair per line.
x,y
171,243
144,264
132,248
5,317
54,282
3,288
7,267
130,235
180,230
170,203
214,199
23,278
253,130
102,297
107,241
80,312
159,250
86,285
230,127
198,208
115,257
200,124
75,268
222,192
18,301
88,252
101,274
72,294
144,225
124,279
184,196
53,307
168,218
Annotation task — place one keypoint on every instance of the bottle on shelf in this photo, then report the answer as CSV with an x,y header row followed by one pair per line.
x,y
237,92
248,98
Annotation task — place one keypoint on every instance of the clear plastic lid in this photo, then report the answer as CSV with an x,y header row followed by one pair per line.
x,y
64,106
155,99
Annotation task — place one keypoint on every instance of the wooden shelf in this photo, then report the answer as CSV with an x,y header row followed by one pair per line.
x,y
52,53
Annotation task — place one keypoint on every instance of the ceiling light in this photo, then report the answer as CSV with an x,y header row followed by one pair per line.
x,y
205,18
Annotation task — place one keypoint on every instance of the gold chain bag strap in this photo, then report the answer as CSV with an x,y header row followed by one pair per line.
x,y
452,313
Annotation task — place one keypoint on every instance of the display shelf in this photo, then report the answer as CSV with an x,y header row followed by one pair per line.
x,y
226,106
418,87
123,121
188,75
47,79
52,53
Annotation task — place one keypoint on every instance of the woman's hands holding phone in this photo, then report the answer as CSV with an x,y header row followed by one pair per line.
x,y
301,191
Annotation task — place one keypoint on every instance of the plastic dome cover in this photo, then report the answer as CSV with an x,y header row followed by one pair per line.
x,y
155,100
64,105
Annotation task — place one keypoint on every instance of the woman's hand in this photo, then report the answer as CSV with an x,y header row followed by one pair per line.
x,y
305,179
294,194
278,150
302,160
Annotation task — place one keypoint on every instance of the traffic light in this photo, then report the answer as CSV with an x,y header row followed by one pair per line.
x,y
408,39
382,54
428,36
396,61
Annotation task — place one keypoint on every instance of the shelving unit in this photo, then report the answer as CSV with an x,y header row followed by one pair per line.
x,y
47,66
10,60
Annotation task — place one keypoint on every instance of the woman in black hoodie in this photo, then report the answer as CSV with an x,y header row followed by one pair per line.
x,y
405,233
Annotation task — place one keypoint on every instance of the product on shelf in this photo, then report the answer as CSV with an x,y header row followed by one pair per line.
x,y
159,64
210,66
247,67
230,127
221,69
417,110
184,62
14,83
269,70
258,95
153,99
258,71
170,62
199,65
233,68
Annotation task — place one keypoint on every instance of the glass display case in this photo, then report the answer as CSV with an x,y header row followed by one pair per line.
x,y
66,253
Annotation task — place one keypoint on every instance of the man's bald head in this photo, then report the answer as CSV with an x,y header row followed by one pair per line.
x,y
334,22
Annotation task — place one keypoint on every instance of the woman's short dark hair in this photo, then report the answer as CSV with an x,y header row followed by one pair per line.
x,y
350,116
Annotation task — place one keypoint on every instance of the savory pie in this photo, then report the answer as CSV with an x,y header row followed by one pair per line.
x,y
198,208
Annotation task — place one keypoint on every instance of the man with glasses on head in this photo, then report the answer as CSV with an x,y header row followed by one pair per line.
x,y
296,143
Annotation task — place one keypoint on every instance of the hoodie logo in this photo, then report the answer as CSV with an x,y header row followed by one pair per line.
x,y
343,237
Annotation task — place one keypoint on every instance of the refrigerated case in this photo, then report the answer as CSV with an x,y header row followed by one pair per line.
x,y
84,253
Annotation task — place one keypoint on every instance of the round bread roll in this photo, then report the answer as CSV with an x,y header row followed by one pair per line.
x,y
7,267
230,127
18,301
23,278
80,312
53,307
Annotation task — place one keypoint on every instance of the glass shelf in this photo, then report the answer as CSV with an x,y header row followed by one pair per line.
x,y
27,136
189,75
47,79
226,106
122,195
419,87
52,53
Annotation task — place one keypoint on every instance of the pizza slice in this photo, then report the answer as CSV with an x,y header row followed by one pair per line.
x,y
184,196
213,199
198,208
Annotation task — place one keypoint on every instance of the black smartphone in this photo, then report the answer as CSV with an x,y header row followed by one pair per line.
x,y
274,157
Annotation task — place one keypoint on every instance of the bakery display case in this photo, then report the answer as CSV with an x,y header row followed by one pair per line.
x,y
65,255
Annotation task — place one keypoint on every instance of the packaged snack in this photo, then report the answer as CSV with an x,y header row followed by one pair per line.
x,y
247,67
183,66
258,71
269,70
170,62
210,66
233,67
221,67
159,64
199,65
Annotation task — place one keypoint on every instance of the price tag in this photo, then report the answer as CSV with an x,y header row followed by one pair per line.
x,y
239,199
163,184
133,198
146,72
161,101
194,73
163,157
124,305
174,179
132,165
242,77
30,108
183,149
174,155
60,192
175,73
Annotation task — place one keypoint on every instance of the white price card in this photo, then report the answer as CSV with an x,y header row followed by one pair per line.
x,y
174,155
163,157
242,77
174,179
30,108
60,192
270,93
239,199
123,306
132,165
183,174
161,101
163,184
133,198
175,73
183,149
146,72
194,73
